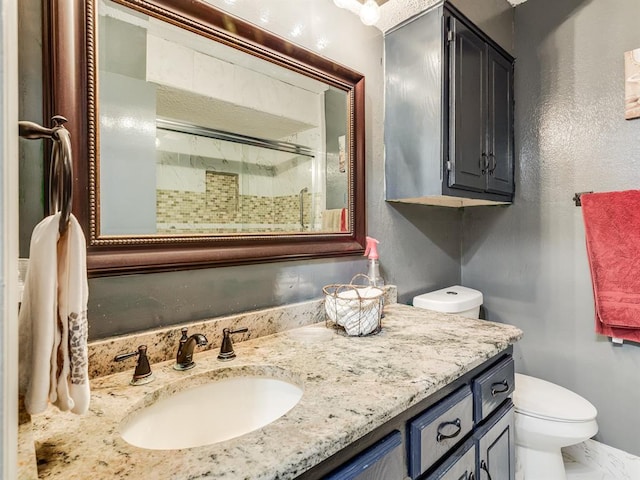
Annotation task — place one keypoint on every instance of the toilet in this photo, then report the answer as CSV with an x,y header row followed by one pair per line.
x,y
547,416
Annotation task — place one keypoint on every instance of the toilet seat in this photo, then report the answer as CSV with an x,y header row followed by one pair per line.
x,y
538,398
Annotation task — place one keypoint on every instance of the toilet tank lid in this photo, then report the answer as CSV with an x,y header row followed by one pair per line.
x,y
449,300
539,398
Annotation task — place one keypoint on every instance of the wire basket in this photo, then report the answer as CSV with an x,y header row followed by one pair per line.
x,y
355,308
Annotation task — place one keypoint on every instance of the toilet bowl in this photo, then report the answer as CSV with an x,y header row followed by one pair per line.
x,y
547,416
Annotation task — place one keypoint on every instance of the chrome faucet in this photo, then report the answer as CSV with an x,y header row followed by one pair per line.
x,y
184,358
226,348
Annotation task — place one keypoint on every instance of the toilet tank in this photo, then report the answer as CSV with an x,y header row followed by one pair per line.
x,y
456,299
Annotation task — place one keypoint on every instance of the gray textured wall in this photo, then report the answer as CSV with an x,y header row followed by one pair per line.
x,y
530,259
420,248
31,180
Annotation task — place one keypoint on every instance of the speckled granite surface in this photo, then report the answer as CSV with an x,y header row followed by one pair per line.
x,y
162,344
27,466
416,354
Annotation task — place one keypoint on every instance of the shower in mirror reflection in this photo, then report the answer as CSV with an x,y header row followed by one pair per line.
x,y
208,152
301,202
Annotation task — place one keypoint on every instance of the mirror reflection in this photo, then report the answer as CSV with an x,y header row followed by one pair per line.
x,y
198,138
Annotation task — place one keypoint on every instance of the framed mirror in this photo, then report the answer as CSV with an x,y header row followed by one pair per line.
x,y
200,139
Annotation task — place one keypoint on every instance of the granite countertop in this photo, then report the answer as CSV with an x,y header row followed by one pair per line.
x,y
351,386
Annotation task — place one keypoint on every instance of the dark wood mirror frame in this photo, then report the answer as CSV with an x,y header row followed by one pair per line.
x,y
70,53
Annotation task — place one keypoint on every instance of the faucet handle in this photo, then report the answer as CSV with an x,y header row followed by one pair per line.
x,y
184,337
142,374
226,348
181,342
239,330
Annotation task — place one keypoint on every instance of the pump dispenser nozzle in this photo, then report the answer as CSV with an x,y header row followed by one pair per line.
x,y
372,248
374,265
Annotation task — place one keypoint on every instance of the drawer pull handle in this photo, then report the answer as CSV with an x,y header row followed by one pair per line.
x,y
483,466
499,387
443,436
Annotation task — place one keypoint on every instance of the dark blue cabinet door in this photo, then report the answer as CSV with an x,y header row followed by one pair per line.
x,y
495,443
384,460
460,465
467,112
480,114
500,127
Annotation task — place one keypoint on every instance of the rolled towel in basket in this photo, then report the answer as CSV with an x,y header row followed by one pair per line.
x,y
356,309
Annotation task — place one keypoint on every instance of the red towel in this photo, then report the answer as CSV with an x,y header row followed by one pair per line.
x,y
343,220
612,230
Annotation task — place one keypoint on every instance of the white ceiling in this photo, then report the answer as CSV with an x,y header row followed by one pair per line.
x,y
394,12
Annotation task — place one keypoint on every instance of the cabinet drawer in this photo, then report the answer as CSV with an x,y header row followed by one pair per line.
x,y
492,388
459,466
385,460
438,430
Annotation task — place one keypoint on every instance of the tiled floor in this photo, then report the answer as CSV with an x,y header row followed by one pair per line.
x,y
579,471
592,460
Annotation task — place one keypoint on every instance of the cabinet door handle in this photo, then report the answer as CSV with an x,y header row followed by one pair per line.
x,y
499,387
484,163
444,436
483,466
470,477
494,164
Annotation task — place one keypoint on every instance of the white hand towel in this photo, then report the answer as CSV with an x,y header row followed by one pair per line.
x,y
331,220
73,294
53,320
37,318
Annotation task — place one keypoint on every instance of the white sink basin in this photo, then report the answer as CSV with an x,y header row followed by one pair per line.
x,y
213,412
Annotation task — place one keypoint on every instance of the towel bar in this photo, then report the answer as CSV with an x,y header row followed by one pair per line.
x,y
60,170
576,198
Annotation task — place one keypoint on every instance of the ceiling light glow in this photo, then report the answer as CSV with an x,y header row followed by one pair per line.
x,y
264,15
370,12
322,43
297,30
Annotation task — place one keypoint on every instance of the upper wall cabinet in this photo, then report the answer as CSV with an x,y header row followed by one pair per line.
x,y
449,113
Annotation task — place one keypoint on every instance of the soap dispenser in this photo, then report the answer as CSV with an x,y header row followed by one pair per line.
x,y
373,272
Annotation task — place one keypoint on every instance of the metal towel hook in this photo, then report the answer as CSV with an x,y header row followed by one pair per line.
x,y
60,173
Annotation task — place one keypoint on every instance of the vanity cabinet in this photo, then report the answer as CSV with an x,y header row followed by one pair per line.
x,y
489,451
448,113
464,431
